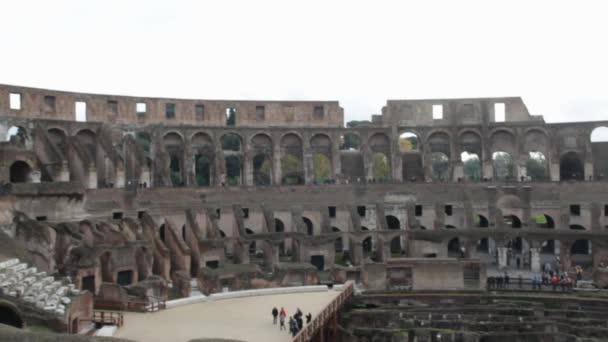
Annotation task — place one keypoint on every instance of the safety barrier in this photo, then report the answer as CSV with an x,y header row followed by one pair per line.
x,y
317,324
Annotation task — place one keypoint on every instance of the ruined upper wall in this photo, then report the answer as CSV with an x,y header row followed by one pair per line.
x,y
61,105
456,112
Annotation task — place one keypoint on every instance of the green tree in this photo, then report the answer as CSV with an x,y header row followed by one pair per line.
x,y
291,167
382,169
535,167
322,167
440,166
503,165
472,169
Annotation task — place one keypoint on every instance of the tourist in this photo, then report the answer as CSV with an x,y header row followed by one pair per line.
x,y
299,322
506,280
308,318
275,314
554,282
292,327
520,281
534,281
282,316
579,273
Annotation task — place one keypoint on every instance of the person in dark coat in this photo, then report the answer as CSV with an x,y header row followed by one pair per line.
x,y
292,327
308,318
275,314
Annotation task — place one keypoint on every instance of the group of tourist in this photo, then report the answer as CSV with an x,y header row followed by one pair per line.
x,y
548,278
295,322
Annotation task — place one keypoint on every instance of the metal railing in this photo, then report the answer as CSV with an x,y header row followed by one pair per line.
x,y
318,323
108,318
150,304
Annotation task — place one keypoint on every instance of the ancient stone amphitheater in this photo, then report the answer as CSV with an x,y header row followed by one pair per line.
x,y
120,203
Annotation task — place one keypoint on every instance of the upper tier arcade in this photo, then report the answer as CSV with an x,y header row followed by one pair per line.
x,y
61,105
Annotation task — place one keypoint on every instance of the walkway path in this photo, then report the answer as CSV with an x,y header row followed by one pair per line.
x,y
247,319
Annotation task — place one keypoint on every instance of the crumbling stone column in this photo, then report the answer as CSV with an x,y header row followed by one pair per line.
x,y
535,259
502,257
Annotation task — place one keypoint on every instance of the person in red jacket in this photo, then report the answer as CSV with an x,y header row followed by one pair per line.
x,y
554,281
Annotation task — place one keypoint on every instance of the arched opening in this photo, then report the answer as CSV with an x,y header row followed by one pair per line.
x,y
440,166
536,166
502,163
58,138
471,166
279,227
144,141
548,247
599,134
252,245
408,142
544,221
511,221
350,142
105,261
571,167
20,172
262,169
380,147
367,247
449,226
10,316
174,147
88,139
16,135
599,148
161,232
392,222
581,247
231,142
483,246
454,250
381,167
481,221
233,170
292,168
576,227
321,168
176,171
396,249
202,170
309,226
516,245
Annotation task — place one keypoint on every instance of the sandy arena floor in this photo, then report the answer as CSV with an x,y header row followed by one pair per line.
x,y
246,319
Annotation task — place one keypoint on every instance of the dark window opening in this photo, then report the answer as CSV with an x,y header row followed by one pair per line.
x,y
318,113
117,215
140,214
161,233
448,209
41,218
309,226
212,264
49,103
124,278
332,211
218,212
245,212
199,111
260,113
170,110
418,210
605,210
113,107
88,283
361,210
575,210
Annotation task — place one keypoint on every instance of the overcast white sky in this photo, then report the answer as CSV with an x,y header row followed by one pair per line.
x,y
552,53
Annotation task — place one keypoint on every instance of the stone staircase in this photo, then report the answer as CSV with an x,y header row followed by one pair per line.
x,y
19,280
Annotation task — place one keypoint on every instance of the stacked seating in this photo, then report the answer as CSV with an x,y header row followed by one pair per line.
x,y
19,280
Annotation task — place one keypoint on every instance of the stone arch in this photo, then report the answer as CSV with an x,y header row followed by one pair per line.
x,y
321,146
481,221
576,227
471,155
544,221
58,138
203,170
470,141
231,142
599,134
454,250
292,166
536,139
309,226
144,140
511,221
234,169
503,140
392,222
537,168
173,143
503,166
279,226
201,140
381,166
439,141
88,139
20,172
549,247
599,146
571,167
483,245
395,246
262,169
350,141
409,141
17,135
10,315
